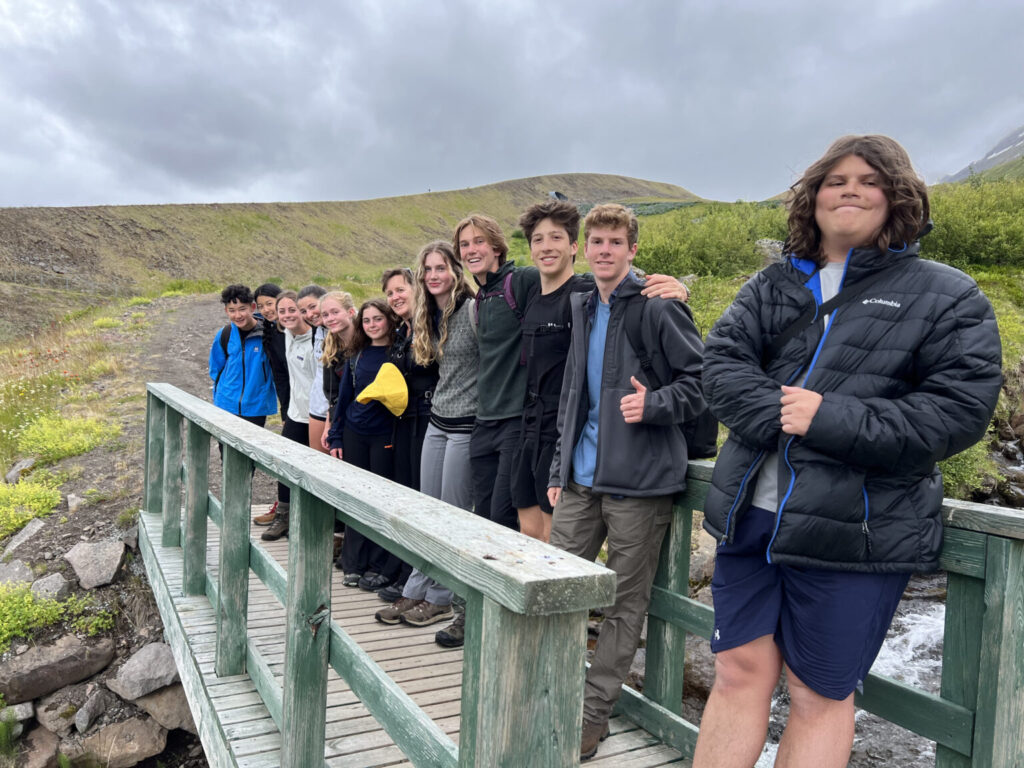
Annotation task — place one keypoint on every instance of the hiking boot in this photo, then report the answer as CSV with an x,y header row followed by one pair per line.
x,y
593,734
393,613
454,635
391,593
372,581
278,528
267,518
351,579
426,613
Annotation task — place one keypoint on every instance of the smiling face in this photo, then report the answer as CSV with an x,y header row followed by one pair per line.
x,y
335,317
398,292
551,249
375,326
289,316
609,255
437,277
267,306
478,254
240,314
309,307
850,208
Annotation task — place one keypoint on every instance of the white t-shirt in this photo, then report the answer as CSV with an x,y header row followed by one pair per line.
x,y
766,493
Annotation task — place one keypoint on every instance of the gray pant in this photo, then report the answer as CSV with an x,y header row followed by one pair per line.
x,y
445,475
635,528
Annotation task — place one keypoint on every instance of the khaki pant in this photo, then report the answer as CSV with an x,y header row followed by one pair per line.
x,y
634,528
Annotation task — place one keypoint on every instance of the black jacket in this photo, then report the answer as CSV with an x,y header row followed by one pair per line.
x,y
910,372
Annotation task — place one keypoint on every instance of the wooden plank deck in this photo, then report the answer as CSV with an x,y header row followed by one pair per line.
x,y
429,674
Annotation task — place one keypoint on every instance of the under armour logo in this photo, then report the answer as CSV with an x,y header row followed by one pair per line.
x,y
717,635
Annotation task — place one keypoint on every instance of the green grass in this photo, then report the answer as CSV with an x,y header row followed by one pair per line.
x,y
51,437
36,496
22,613
139,301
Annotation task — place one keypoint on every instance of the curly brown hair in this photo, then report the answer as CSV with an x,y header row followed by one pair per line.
x,y
359,340
426,348
565,215
905,192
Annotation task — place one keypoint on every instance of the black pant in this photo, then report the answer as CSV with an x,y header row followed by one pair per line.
x,y
299,432
409,434
359,554
491,450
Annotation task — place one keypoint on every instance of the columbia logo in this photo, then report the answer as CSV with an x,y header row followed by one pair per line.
x,y
887,302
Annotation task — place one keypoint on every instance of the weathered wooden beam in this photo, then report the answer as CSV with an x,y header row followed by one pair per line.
x,y
155,427
963,552
961,653
171,502
522,697
998,735
307,637
233,572
197,495
659,721
525,575
999,521
683,612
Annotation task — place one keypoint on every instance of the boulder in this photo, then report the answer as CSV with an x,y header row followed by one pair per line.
x,y
131,538
150,668
702,559
56,712
74,503
52,587
95,705
95,563
125,744
44,669
40,749
31,529
20,468
18,713
169,707
16,572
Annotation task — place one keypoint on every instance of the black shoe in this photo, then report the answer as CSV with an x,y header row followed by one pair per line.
x,y
391,593
454,635
372,581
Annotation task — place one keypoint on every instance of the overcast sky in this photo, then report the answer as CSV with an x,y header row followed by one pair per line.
x,y
175,101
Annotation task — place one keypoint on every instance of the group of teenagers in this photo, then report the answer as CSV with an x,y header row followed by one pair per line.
x,y
557,403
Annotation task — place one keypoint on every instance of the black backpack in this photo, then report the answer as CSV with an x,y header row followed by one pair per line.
x,y
701,432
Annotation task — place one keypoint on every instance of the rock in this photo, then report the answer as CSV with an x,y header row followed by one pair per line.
x,y
20,467
125,744
47,668
19,712
770,250
1017,422
699,669
97,563
52,587
41,748
1011,451
56,712
131,538
169,707
152,667
74,503
94,706
702,559
1013,493
31,529
16,572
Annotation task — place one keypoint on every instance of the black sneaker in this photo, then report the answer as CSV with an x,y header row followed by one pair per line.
x,y
391,593
372,581
454,635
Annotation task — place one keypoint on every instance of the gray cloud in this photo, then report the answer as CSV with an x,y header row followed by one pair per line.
x,y
190,101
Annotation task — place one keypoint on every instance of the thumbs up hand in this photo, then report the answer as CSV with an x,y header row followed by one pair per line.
x,y
632,406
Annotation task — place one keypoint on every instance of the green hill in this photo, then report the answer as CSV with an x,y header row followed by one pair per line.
x,y
132,249
1012,170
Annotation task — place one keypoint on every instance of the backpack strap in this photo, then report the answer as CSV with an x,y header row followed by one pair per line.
x,y
225,336
632,322
506,293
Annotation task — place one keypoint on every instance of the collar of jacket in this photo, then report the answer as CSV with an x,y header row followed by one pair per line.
x,y
493,279
630,285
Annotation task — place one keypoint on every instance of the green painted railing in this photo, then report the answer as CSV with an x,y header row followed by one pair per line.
x,y
527,603
976,720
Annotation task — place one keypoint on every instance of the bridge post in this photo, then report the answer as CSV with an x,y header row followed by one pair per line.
x,y
170,535
307,636
522,687
197,502
998,736
233,591
154,453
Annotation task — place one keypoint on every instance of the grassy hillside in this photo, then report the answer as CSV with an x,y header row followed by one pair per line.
x,y
132,249
1012,170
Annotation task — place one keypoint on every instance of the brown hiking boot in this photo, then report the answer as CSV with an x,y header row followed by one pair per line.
x,y
426,613
277,529
393,613
267,518
454,635
593,734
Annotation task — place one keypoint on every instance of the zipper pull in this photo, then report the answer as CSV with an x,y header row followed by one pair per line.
x,y
867,534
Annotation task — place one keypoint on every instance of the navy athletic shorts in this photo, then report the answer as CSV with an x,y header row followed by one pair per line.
x,y
829,625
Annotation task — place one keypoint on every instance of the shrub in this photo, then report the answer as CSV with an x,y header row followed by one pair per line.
x,y
977,225
966,472
21,612
25,500
138,301
51,437
106,322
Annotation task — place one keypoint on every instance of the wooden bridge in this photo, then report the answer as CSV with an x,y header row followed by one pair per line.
x,y
284,667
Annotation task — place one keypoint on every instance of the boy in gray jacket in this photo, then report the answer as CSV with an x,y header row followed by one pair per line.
x,y
621,454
